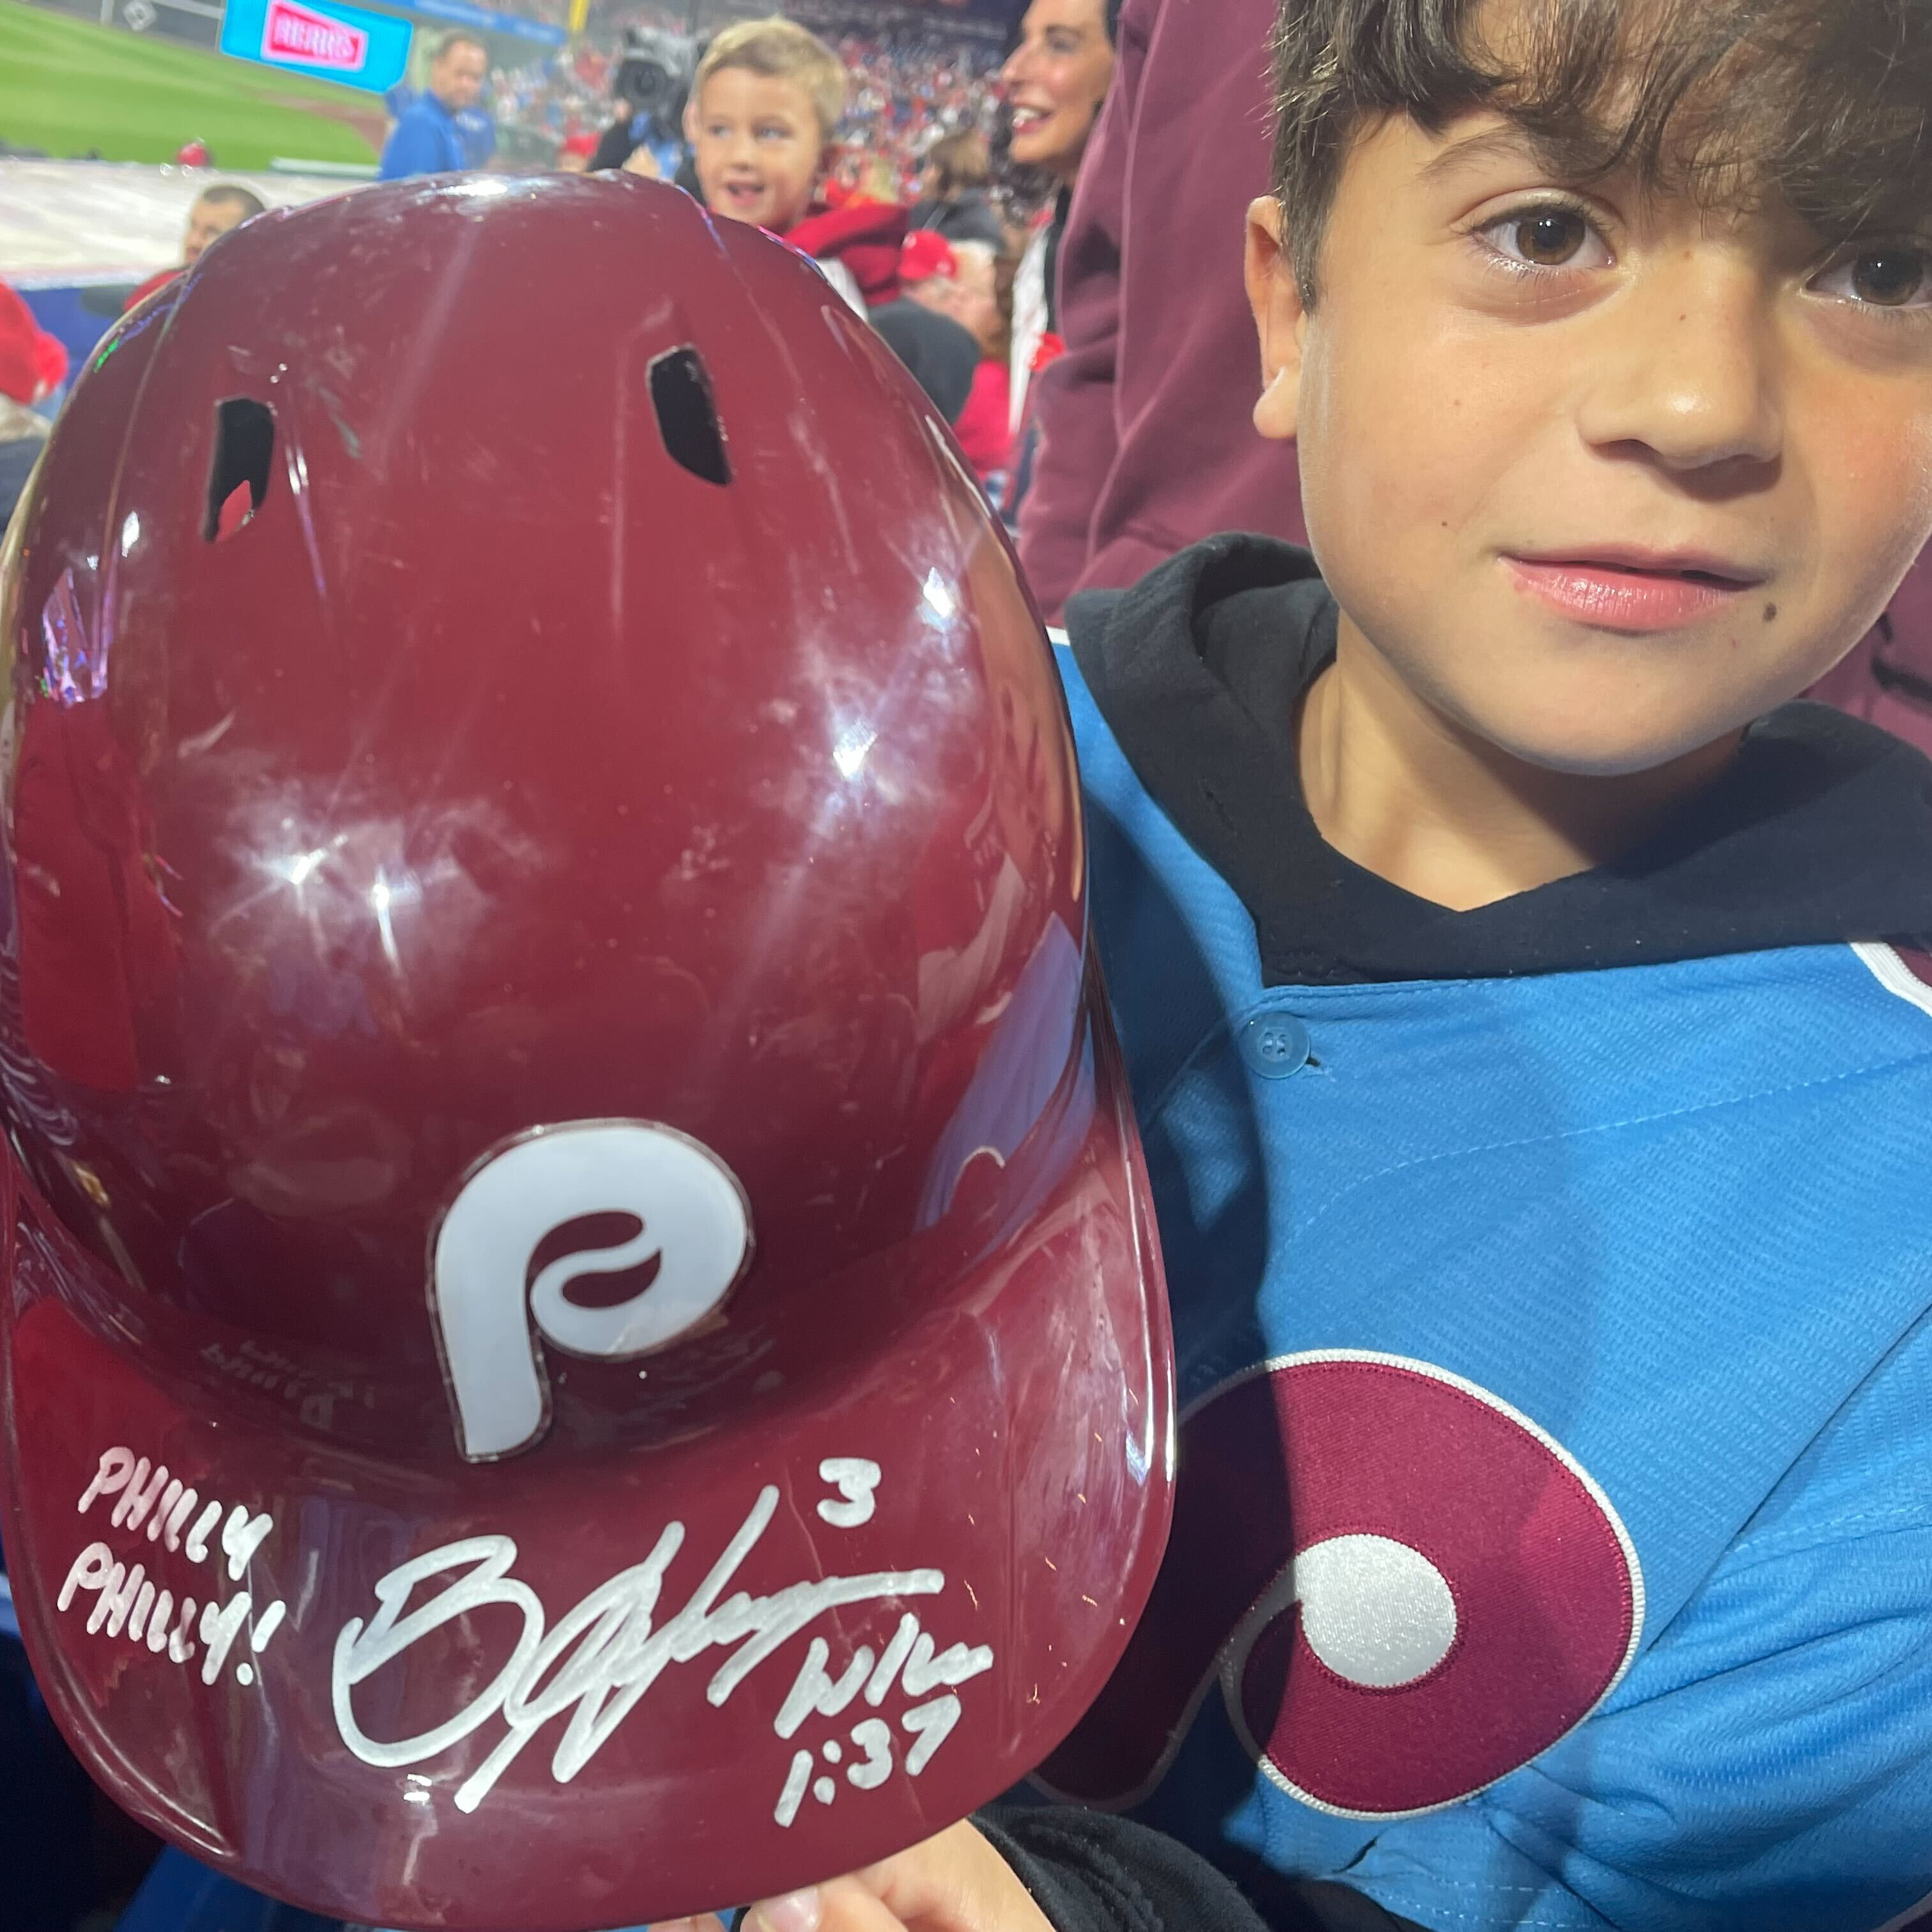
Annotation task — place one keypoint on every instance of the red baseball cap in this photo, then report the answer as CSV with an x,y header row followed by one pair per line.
x,y
925,253
584,1336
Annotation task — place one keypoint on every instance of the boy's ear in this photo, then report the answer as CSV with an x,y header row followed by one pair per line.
x,y
1275,297
691,121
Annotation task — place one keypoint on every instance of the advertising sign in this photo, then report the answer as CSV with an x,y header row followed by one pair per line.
x,y
319,36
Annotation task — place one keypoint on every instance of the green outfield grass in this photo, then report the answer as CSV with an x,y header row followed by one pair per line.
x,y
67,85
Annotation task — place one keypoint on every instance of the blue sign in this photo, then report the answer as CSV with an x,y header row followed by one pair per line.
x,y
349,44
461,13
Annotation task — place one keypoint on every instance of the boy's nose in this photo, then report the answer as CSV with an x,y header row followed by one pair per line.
x,y
1687,369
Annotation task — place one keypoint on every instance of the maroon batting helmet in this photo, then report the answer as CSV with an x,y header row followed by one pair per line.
x,y
584,1335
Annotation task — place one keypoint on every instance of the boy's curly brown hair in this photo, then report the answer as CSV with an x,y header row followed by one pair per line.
x,y
1826,103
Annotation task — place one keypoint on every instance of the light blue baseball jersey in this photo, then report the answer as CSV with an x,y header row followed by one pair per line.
x,y
1553,1538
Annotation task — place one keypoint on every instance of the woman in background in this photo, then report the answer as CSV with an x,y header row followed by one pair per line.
x,y
1055,80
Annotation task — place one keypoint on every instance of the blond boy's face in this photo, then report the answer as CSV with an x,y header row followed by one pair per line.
x,y
1602,479
756,145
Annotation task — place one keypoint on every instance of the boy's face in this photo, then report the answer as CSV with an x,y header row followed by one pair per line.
x,y
1602,480
208,221
756,145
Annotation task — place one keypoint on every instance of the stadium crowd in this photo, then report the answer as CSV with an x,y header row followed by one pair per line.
x,y
929,178
909,85
908,141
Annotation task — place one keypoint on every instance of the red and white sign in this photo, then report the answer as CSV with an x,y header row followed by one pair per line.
x,y
293,32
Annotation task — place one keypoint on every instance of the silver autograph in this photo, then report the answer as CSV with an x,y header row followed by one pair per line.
x,y
606,1653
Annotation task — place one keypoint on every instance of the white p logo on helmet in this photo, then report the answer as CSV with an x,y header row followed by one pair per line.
x,y
696,1224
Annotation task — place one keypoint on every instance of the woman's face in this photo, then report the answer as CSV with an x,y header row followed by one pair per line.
x,y
1055,80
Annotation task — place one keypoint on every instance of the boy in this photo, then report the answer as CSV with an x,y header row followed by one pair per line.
x,y
215,210
1537,1113
764,107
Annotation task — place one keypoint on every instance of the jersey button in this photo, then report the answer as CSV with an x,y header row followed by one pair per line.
x,y
1275,1045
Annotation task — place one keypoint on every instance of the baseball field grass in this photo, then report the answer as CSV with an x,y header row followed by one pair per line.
x,y
68,86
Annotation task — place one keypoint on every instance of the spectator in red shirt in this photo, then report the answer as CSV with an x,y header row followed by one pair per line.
x,y
959,283
920,328
216,210
32,363
928,270
985,427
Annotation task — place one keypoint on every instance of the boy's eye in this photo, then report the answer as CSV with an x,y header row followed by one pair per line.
x,y
1546,236
1894,275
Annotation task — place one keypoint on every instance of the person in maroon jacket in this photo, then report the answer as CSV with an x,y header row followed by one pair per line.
x,y
1145,446
1145,443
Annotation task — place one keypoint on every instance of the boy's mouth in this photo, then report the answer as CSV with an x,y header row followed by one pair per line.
x,y
1624,589
744,194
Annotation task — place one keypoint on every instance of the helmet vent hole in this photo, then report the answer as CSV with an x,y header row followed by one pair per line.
x,y
238,479
687,416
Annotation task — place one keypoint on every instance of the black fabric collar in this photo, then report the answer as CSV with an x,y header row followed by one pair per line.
x,y
1820,831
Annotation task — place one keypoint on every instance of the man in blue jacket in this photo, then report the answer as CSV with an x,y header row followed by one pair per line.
x,y
427,139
